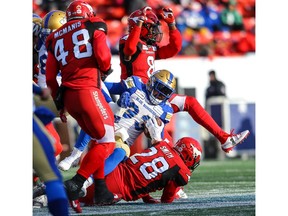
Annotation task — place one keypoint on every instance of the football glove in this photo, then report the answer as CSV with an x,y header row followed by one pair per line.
x,y
154,129
105,74
124,100
168,16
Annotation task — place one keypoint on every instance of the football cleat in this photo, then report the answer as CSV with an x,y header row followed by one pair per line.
x,y
39,190
40,202
180,194
72,189
102,195
233,140
75,204
67,163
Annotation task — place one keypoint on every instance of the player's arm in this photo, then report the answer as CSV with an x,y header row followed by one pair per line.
x,y
100,48
180,178
52,70
198,113
130,46
116,88
175,39
172,48
169,191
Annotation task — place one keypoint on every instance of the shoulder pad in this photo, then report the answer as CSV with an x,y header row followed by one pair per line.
x,y
97,24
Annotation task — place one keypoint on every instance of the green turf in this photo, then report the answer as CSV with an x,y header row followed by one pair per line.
x,y
215,188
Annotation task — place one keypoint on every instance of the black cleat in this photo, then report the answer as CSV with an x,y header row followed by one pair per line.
x,y
39,190
102,195
72,189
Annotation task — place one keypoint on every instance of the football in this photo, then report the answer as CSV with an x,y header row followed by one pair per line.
x,y
146,132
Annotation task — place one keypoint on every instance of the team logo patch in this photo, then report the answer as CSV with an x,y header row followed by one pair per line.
x,y
130,84
168,116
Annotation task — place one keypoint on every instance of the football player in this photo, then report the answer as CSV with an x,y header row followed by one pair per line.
x,y
37,23
79,50
158,167
51,21
44,163
138,52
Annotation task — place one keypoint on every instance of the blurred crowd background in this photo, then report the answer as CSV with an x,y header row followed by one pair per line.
x,y
208,27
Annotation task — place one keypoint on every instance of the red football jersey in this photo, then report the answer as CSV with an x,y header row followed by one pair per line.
x,y
156,168
77,49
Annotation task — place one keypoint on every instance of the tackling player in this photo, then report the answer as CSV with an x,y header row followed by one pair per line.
x,y
158,167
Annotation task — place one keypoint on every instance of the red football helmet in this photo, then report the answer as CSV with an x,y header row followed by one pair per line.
x,y
151,32
79,10
190,151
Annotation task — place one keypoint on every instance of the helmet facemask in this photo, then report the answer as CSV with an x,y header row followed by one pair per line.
x,y
160,86
190,151
151,33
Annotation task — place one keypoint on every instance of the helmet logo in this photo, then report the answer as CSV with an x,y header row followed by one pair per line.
x,y
195,151
63,21
79,11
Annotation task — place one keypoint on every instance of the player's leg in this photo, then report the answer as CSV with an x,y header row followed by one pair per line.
x,y
202,117
79,147
44,164
94,116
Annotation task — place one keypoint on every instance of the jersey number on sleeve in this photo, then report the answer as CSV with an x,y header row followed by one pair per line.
x,y
82,48
158,165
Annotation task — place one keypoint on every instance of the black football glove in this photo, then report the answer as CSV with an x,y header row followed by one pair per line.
x,y
105,74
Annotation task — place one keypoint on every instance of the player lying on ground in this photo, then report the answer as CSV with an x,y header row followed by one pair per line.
x,y
158,167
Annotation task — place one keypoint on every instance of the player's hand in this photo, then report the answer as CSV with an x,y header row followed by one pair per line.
x,y
155,128
63,116
105,74
141,14
149,199
168,16
139,19
46,92
124,100
36,29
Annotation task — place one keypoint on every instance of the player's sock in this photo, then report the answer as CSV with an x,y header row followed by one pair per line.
x,y
113,160
57,198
